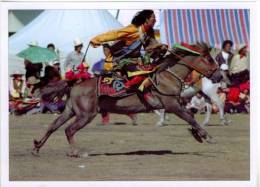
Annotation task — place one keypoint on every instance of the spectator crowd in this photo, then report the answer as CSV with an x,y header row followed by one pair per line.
x,y
236,96
25,89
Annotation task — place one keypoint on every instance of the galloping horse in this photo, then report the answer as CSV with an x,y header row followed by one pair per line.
x,y
84,103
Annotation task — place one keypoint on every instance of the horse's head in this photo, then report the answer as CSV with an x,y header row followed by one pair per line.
x,y
202,62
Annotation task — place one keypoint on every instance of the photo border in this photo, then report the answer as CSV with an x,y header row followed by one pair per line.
x,y
254,91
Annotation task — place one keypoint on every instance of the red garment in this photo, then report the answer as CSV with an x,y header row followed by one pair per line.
x,y
81,67
233,94
70,75
83,75
136,80
244,86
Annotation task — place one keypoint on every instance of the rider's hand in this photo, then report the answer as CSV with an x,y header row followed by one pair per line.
x,y
164,47
94,44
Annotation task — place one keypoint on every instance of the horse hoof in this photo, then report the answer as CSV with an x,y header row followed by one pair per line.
x,y
73,155
210,140
159,124
225,122
35,152
36,143
195,134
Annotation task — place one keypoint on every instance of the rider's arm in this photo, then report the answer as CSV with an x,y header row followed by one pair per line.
x,y
114,35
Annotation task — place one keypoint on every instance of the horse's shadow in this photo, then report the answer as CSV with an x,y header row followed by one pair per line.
x,y
157,152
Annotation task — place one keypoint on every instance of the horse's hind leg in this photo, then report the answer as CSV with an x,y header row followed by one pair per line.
x,y
65,116
79,123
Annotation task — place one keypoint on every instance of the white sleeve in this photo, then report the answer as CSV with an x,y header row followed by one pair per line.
x,y
67,62
11,86
23,87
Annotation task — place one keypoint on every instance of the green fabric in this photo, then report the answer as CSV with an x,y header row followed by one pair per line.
x,y
177,45
125,62
37,54
146,59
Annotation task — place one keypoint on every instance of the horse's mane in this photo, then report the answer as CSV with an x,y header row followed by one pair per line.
x,y
172,57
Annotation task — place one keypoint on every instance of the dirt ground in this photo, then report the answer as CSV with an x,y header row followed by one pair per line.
x,y
121,151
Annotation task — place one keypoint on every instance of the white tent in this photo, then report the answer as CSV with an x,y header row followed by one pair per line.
x,y
14,24
61,27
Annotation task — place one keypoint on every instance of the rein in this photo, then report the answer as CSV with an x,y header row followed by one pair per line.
x,y
189,63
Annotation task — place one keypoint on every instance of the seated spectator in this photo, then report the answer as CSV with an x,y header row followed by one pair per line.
x,y
33,88
232,104
17,86
245,101
33,94
239,66
197,103
225,56
222,96
245,85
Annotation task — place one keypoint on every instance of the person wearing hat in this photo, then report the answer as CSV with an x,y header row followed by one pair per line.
x,y
32,89
239,66
83,73
56,65
17,85
75,57
56,62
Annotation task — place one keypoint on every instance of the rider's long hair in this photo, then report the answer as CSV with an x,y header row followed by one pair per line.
x,y
140,18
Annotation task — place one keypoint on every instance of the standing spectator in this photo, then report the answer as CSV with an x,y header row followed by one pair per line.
x,y
17,86
51,47
225,56
32,70
75,57
56,65
239,67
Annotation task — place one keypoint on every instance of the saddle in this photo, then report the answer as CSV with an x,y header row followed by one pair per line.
x,y
113,86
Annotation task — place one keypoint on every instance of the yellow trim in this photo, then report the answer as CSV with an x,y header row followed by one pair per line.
x,y
135,73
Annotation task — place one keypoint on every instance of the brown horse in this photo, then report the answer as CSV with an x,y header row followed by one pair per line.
x,y
84,104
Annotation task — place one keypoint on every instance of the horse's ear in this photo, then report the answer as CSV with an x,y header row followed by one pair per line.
x,y
198,43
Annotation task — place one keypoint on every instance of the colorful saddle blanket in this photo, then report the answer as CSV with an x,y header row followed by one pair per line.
x,y
113,87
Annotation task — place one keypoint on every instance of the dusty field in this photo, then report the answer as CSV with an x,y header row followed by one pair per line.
x,y
121,151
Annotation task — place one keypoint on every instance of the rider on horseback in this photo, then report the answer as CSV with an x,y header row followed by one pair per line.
x,y
139,33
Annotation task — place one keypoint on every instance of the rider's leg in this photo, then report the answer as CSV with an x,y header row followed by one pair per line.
x,y
189,92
